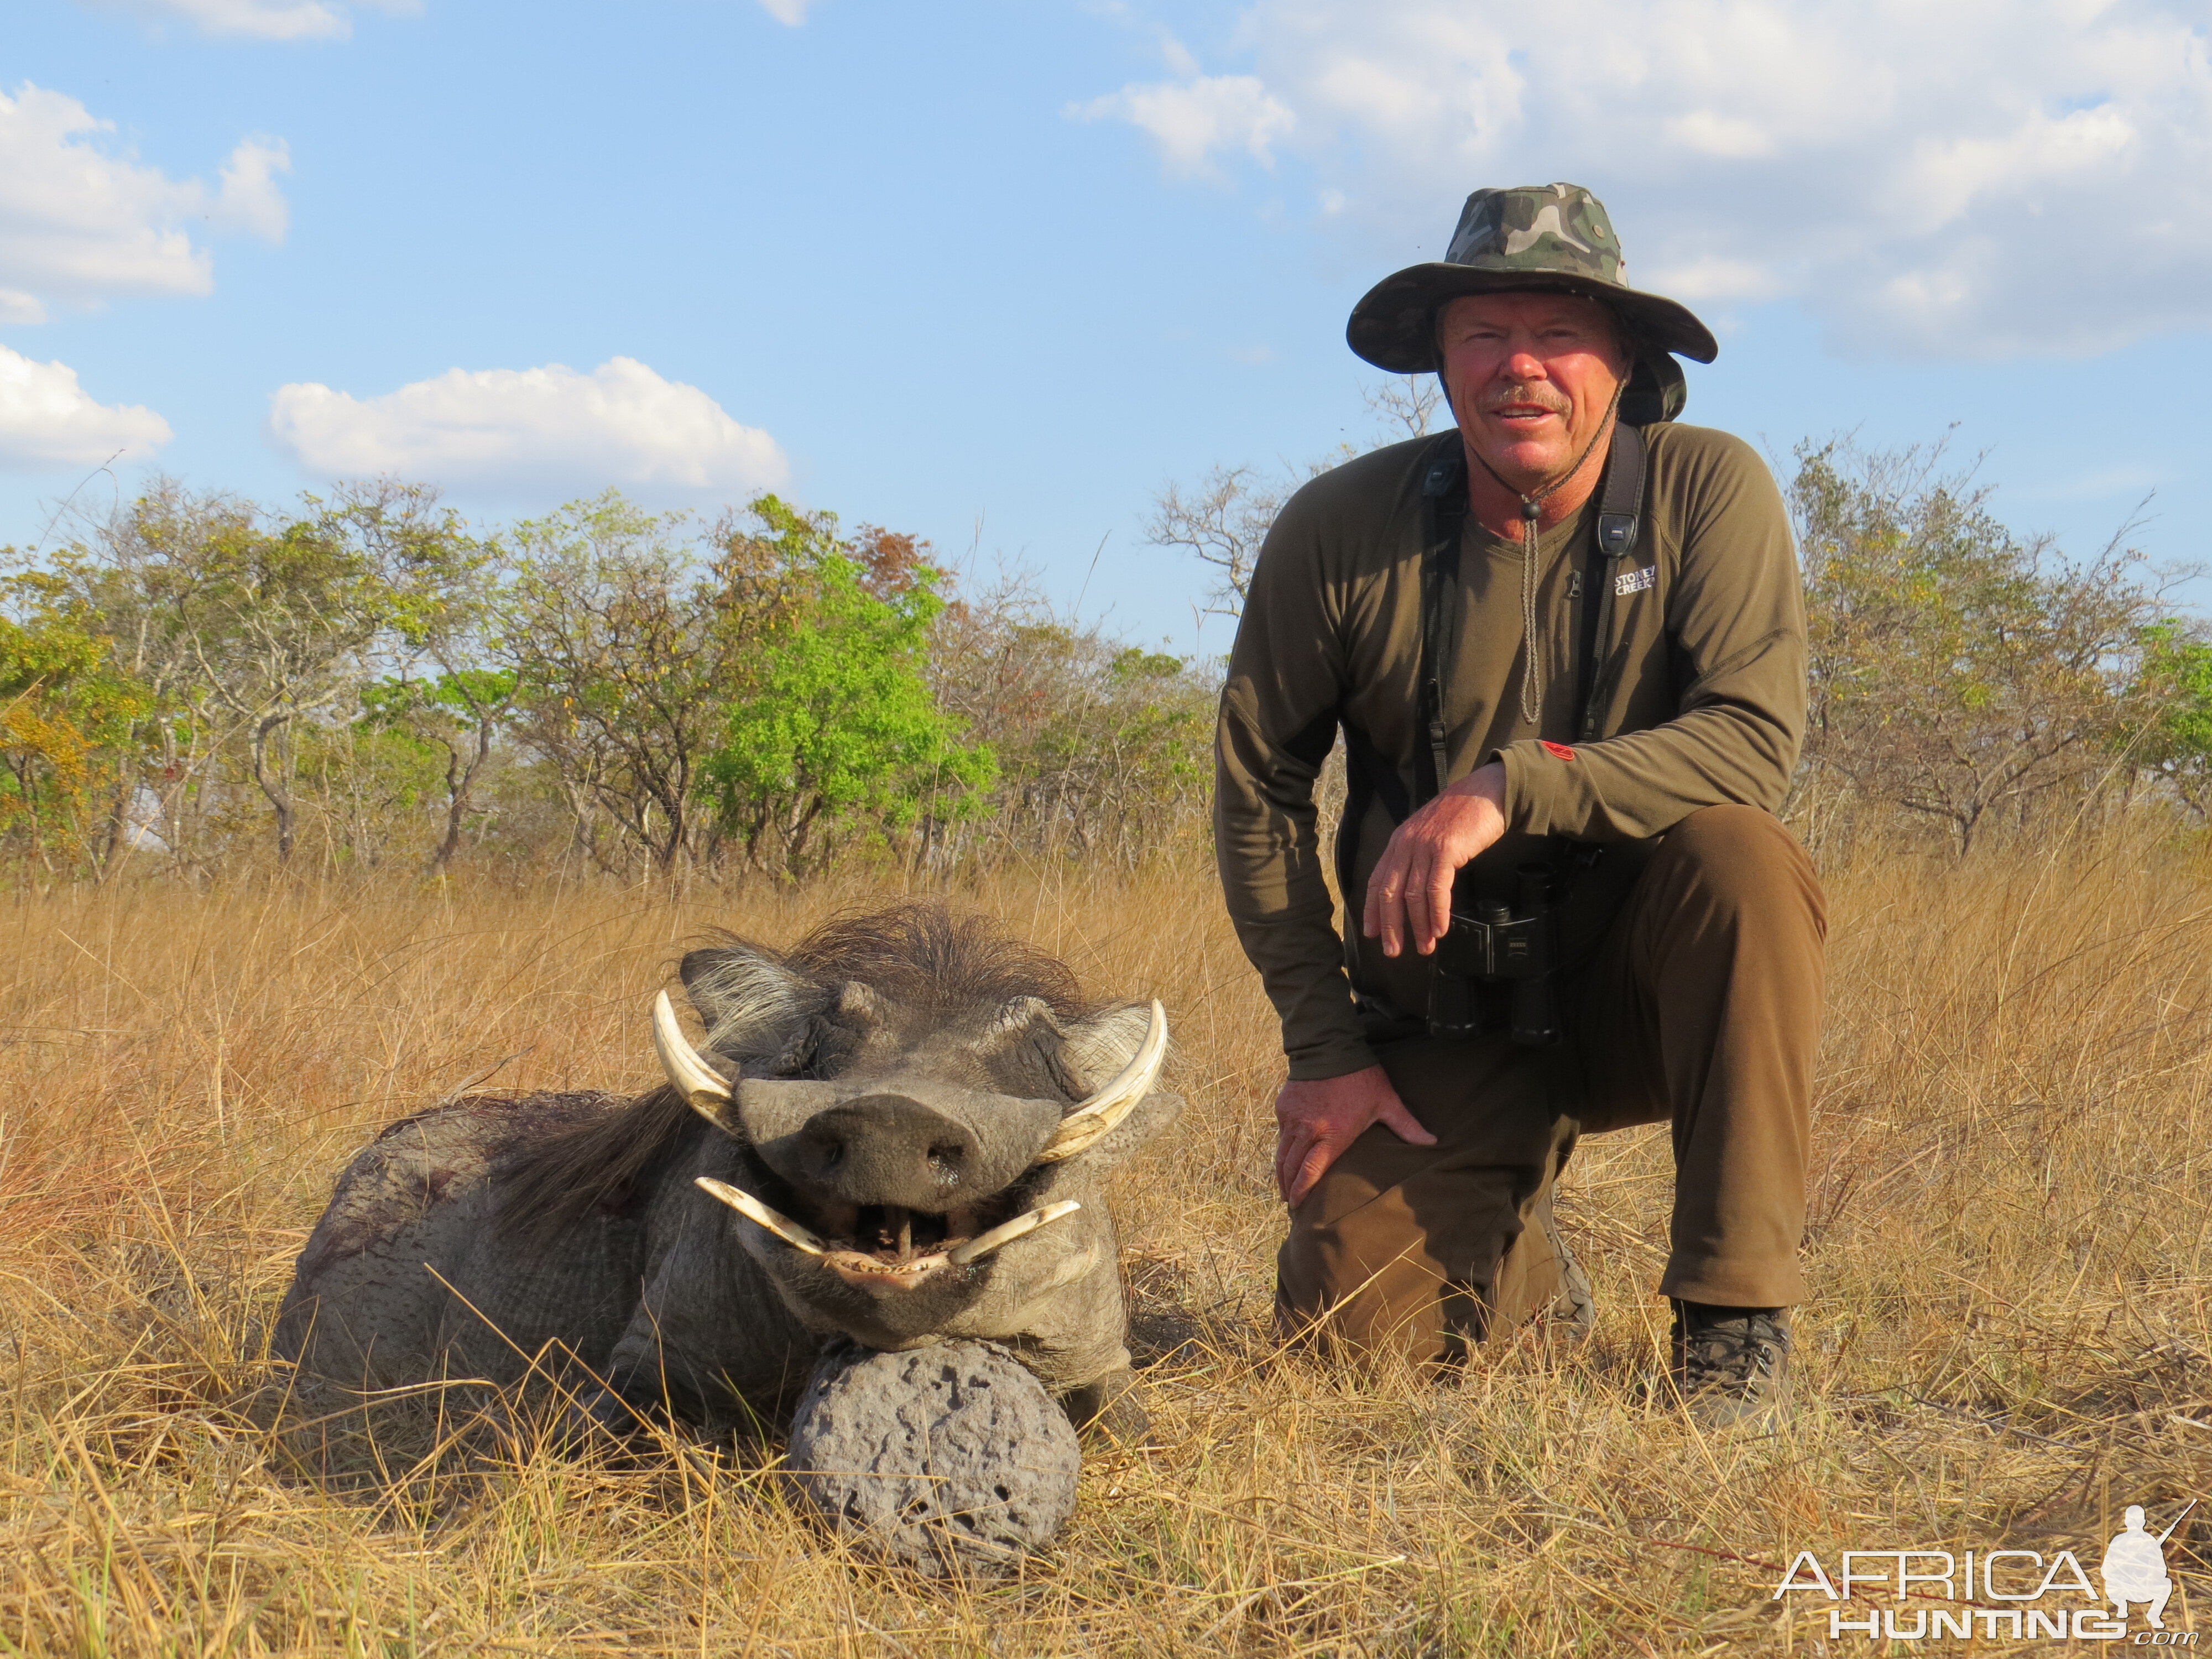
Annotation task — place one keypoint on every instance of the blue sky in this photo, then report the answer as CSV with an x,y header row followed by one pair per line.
x,y
994,272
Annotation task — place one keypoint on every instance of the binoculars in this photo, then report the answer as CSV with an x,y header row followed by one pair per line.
x,y
1514,945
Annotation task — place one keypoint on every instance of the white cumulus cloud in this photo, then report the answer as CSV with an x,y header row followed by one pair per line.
x,y
260,20
1191,119
48,420
790,13
81,221
1978,177
531,428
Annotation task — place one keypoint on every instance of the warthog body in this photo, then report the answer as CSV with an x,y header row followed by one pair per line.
x,y
899,1085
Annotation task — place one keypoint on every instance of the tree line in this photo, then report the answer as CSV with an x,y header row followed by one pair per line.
x,y
195,684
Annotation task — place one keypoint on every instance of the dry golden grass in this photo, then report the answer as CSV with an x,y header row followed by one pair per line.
x,y
2011,1339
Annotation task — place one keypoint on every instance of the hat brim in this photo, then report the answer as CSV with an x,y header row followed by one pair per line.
x,y
1394,326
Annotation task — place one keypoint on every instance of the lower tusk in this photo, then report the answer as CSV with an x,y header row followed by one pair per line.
x,y
1007,1231
761,1216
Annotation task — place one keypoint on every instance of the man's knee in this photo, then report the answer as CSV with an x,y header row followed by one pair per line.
x,y
1740,862
1425,1326
1355,1272
1419,1273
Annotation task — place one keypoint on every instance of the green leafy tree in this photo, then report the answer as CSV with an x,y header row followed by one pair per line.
x,y
133,570
629,643
1104,749
839,732
275,622
456,714
437,582
2175,688
65,716
244,629
369,788
1958,672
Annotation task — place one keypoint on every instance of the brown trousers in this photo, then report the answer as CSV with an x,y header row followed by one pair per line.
x,y
1701,1006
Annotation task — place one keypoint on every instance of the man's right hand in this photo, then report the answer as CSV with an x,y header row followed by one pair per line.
x,y
1409,893
1315,1122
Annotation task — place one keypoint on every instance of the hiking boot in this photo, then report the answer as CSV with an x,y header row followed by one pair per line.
x,y
1731,1365
1573,1312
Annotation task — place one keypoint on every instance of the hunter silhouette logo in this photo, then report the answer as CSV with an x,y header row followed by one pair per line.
x,y
2135,1566
2020,1595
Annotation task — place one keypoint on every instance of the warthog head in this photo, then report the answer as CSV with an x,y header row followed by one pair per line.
x,y
903,1121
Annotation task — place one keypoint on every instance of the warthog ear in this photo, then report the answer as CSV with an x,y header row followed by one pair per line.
x,y
1119,1052
751,1004
1096,1048
856,1003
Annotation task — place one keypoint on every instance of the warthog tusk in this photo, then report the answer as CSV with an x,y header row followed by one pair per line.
x,y
800,1239
1097,1115
1007,1231
759,1213
693,1079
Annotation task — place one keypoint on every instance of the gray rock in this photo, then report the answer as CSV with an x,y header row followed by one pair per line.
x,y
949,1459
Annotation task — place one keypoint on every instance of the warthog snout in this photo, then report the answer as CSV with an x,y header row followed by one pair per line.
x,y
885,1149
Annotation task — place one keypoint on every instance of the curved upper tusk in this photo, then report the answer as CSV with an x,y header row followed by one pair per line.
x,y
1007,1231
1097,1115
759,1213
692,1077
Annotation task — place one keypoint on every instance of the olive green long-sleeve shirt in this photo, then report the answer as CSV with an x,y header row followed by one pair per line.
x,y
1701,699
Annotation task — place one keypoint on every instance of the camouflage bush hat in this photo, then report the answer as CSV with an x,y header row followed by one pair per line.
x,y
1532,236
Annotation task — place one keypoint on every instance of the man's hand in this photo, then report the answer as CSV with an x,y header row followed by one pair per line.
x,y
1409,895
1315,1122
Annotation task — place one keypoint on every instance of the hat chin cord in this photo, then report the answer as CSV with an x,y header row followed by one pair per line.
x,y
1531,503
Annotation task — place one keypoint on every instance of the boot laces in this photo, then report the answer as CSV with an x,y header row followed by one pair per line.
x,y
1743,1350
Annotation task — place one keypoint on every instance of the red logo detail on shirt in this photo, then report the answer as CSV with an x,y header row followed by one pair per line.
x,y
1558,751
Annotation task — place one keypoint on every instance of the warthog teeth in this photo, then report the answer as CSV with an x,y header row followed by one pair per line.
x,y
1097,1115
759,1213
800,1239
1007,1231
697,1081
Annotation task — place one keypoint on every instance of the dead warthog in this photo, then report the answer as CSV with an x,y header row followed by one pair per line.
x,y
896,1132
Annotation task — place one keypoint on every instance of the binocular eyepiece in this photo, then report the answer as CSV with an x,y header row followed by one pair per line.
x,y
1514,945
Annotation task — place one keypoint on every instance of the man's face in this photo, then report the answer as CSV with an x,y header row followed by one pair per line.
x,y
1531,376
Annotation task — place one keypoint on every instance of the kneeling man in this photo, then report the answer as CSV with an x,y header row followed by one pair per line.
x,y
1564,644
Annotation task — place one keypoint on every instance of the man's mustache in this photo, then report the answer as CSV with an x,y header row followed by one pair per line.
x,y
1541,396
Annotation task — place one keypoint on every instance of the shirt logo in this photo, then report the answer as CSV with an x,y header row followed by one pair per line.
x,y
1635,581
